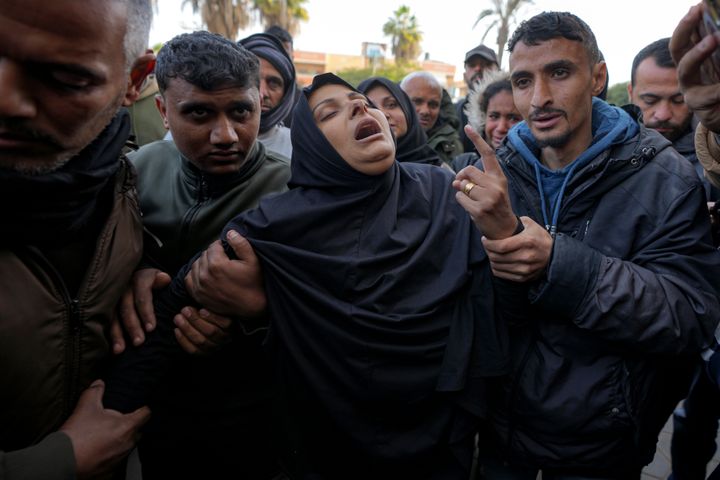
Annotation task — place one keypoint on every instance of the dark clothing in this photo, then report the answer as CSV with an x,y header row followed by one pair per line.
x,y
685,146
443,136
58,294
695,427
213,412
462,116
603,345
271,49
383,329
413,146
185,209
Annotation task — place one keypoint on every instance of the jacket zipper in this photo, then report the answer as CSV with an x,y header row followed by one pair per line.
x,y
71,333
202,197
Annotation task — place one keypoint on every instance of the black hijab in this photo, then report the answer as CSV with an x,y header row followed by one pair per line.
x,y
374,325
412,147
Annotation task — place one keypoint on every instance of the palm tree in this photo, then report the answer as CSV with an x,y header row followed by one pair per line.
x,y
285,13
405,35
505,11
225,17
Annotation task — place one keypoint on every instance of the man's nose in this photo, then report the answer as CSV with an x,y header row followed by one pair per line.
x,y
16,100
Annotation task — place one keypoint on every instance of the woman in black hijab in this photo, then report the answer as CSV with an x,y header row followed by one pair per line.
x,y
379,292
393,101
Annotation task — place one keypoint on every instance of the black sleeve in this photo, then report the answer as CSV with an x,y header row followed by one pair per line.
x,y
135,373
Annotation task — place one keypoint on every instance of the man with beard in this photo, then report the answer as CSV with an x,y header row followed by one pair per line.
x,y
610,286
655,91
477,61
277,90
70,233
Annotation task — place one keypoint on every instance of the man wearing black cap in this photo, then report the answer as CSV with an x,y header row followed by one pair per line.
x,y
277,90
477,61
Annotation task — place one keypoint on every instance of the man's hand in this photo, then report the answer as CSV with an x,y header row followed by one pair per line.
x,y
201,332
522,257
689,53
101,437
487,202
136,308
228,287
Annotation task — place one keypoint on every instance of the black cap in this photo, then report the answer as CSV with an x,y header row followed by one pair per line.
x,y
482,51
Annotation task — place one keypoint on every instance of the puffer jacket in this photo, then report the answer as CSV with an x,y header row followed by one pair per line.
x,y
53,344
603,344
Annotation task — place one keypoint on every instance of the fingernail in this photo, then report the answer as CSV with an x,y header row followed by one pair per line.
x,y
185,311
178,321
149,327
204,313
232,234
137,340
116,347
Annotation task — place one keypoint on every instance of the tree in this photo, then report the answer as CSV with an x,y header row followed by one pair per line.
x,y
394,72
618,94
285,13
225,17
405,35
504,12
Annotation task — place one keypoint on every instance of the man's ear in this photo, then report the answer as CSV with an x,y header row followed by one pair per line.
x,y
143,66
599,73
160,104
629,89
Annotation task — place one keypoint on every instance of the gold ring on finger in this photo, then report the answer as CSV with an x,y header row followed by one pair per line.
x,y
468,186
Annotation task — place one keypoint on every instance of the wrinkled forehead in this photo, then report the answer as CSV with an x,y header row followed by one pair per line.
x,y
63,31
422,88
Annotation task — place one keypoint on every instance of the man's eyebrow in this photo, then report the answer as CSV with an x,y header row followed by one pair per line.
x,y
566,64
651,96
519,74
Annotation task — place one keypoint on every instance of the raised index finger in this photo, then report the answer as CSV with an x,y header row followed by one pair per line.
x,y
487,153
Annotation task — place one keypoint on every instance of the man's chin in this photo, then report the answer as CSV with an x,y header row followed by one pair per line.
x,y
552,141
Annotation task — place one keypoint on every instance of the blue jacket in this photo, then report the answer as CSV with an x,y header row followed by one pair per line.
x,y
602,345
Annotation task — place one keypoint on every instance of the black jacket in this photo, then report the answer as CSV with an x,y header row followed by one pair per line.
x,y
602,344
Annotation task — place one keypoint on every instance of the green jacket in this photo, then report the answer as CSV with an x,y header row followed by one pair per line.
x,y
185,210
443,137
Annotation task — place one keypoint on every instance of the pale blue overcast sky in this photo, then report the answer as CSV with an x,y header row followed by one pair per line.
x,y
622,27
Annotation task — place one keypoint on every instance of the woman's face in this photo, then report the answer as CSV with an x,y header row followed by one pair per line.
x,y
501,115
361,135
389,105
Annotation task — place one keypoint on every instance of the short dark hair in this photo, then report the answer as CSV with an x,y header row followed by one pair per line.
x,y
207,61
492,90
659,50
280,33
548,25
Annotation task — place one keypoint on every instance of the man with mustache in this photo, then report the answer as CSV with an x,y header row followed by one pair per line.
x,y
608,279
277,90
213,412
477,61
435,112
654,89
70,234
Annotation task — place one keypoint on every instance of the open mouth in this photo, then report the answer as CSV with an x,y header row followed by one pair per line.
x,y
366,128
